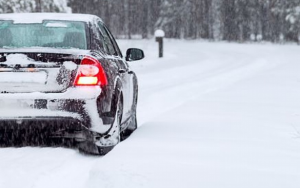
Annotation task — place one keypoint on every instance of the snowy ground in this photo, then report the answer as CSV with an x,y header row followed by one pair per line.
x,y
213,115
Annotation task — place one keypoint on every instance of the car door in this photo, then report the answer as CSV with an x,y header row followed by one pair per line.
x,y
126,77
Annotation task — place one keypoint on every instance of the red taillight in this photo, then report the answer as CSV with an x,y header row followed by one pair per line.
x,y
90,73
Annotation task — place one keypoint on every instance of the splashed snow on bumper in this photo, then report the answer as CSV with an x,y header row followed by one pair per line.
x,y
78,104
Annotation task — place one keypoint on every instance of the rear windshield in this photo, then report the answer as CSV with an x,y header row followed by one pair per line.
x,y
54,34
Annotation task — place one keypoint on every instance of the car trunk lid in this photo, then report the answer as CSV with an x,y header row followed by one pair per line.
x,y
37,72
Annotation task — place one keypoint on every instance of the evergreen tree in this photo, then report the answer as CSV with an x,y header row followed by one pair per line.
x,y
232,20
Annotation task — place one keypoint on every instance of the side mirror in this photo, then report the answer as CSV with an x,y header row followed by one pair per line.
x,y
134,54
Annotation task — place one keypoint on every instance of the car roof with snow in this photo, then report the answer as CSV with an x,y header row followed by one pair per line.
x,y
39,17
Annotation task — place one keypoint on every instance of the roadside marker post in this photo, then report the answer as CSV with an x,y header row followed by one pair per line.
x,y
159,37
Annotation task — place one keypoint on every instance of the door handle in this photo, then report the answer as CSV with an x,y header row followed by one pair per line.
x,y
122,71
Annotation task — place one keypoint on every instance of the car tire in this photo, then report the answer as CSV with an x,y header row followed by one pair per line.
x,y
89,147
133,125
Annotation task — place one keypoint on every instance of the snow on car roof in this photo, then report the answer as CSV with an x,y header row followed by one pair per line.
x,y
39,17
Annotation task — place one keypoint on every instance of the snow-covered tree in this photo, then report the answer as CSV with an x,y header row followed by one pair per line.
x,y
293,18
22,6
234,20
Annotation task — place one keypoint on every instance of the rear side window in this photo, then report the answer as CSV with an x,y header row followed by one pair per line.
x,y
54,34
108,44
114,42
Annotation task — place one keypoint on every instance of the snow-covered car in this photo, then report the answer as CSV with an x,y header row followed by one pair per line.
x,y
64,76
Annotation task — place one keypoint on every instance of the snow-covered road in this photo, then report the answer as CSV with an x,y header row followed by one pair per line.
x,y
214,115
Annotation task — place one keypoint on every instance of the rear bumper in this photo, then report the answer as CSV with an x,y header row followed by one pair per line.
x,y
38,123
79,93
74,108
41,131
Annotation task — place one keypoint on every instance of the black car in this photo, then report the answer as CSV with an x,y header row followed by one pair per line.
x,y
64,76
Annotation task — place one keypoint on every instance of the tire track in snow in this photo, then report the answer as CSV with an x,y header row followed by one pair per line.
x,y
173,94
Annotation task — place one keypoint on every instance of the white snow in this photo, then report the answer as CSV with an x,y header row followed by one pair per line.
x,y
40,17
22,59
96,121
159,33
210,115
23,77
56,24
69,65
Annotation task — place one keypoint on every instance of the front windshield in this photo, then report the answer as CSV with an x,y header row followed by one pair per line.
x,y
54,34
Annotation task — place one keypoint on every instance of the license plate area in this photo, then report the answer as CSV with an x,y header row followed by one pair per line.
x,y
17,104
20,78
24,104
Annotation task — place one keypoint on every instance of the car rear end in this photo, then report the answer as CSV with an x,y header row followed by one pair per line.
x,y
54,96
48,91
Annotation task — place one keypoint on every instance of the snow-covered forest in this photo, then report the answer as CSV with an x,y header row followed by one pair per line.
x,y
232,20
16,6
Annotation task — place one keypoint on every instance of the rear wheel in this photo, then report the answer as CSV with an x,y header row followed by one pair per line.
x,y
132,127
110,140
133,121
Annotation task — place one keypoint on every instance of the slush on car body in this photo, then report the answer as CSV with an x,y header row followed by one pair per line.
x,y
64,76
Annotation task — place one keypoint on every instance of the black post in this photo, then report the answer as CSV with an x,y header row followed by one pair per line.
x,y
160,41
161,48
159,36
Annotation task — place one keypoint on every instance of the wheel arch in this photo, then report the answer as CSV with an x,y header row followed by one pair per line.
x,y
117,93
